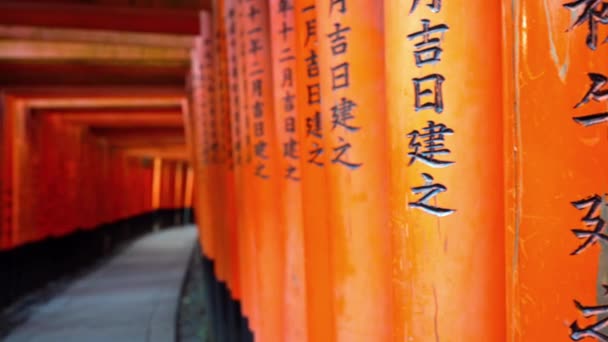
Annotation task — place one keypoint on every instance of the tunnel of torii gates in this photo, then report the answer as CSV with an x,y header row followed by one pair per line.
x,y
399,170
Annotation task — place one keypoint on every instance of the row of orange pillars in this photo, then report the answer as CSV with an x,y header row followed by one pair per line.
x,y
403,170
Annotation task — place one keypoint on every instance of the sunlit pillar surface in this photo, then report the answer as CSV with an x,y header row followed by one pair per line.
x,y
556,143
351,74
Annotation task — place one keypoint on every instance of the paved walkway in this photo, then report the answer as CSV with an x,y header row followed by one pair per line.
x,y
131,298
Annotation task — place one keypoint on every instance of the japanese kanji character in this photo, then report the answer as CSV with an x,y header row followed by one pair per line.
x,y
290,174
287,78
437,92
341,3
285,6
432,138
434,5
593,330
315,153
591,218
288,102
258,109
312,65
595,93
253,12
314,93
290,149
428,50
342,114
340,76
593,12
338,40
260,149
313,125
285,30
258,129
256,87
259,171
290,124
340,152
428,191
311,30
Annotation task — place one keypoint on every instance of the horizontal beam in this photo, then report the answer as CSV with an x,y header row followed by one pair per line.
x,y
184,22
98,37
46,51
20,73
117,119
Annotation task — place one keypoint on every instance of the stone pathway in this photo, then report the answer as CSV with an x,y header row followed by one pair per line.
x,y
134,297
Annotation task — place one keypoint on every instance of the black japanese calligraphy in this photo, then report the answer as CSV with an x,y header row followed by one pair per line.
x,y
428,49
313,125
337,38
429,190
290,149
591,219
342,114
593,12
436,92
340,155
315,154
340,77
593,330
595,93
432,137
434,5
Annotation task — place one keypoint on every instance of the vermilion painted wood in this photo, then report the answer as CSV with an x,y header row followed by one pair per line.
x,y
99,18
249,267
351,64
554,168
235,183
283,45
269,240
316,233
447,268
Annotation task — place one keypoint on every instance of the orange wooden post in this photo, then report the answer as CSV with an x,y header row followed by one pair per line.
x,y
227,78
248,264
200,83
268,232
235,114
203,113
316,234
219,115
351,65
282,26
556,144
445,126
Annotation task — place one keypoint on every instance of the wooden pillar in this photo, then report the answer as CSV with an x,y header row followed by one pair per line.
x,y
249,267
316,234
351,66
556,144
445,128
268,232
283,44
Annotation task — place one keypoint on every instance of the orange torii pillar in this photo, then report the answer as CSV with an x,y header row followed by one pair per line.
x,y
556,156
242,260
269,239
316,234
231,118
202,92
229,210
282,26
243,128
445,128
218,116
351,68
